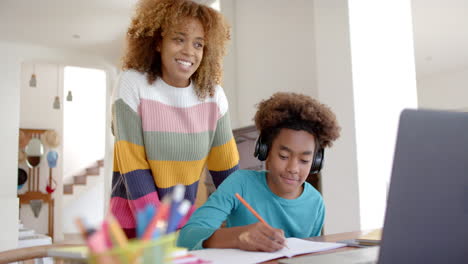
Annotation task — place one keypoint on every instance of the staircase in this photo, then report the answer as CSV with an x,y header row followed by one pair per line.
x,y
84,198
82,180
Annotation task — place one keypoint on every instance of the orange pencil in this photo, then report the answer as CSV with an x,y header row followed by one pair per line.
x,y
253,211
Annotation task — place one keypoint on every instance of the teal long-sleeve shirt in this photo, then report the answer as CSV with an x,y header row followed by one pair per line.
x,y
301,217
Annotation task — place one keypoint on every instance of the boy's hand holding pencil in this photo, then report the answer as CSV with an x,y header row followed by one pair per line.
x,y
260,236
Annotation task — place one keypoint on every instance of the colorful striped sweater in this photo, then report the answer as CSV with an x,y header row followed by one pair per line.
x,y
165,136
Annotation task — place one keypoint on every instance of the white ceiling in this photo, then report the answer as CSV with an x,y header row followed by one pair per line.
x,y
440,28
440,35
100,24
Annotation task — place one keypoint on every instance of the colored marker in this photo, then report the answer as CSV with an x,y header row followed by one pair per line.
x,y
179,213
116,231
187,216
144,217
159,221
178,194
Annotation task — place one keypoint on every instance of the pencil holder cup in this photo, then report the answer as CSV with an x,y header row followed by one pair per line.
x,y
138,252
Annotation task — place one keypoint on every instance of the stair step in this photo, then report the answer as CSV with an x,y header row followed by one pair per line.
x,y
92,171
68,189
81,179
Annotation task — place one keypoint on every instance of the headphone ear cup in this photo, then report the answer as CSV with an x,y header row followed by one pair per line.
x,y
318,161
261,150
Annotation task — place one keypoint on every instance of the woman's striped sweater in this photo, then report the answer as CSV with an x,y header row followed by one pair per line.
x,y
165,136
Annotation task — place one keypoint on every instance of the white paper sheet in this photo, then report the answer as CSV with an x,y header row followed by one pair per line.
x,y
235,256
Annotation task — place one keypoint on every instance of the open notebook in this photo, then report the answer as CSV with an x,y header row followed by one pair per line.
x,y
296,246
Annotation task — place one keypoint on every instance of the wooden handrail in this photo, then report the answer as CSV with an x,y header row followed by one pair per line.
x,y
26,253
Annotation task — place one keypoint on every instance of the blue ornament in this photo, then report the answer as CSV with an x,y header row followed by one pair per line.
x,y
52,157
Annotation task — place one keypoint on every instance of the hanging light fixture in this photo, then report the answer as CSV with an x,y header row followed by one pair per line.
x,y
69,96
56,104
33,81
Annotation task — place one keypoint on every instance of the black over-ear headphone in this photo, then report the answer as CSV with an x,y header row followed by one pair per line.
x,y
261,153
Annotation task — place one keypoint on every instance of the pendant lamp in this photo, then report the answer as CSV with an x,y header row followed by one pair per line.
x,y
69,96
56,104
33,81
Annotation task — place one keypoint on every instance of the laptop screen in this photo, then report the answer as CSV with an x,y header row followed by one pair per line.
x,y
427,209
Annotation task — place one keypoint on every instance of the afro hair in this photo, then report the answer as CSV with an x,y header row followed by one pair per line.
x,y
298,112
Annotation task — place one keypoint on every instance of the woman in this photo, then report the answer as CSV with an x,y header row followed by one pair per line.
x,y
170,116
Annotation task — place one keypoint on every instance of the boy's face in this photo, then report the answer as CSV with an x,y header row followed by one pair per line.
x,y
289,161
181,52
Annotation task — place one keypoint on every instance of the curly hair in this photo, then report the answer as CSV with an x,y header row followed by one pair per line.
x,y
154,18
298,112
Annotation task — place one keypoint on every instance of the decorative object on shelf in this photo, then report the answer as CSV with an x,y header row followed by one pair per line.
x,y
33,81
23,139
36,206
69,96
22,178
56,104
21,156
52,157
51,138
52,185
34,153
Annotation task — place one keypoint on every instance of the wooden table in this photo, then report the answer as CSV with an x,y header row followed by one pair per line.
x,y
41,251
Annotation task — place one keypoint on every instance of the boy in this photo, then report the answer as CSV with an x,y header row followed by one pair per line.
x,y
294,129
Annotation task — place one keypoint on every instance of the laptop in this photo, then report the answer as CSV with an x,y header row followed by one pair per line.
x,y
426,218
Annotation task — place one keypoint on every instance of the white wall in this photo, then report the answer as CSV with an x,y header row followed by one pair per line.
x,y
87,205
274,42
84,120
13,55
227,7
334,81
447,90
9,117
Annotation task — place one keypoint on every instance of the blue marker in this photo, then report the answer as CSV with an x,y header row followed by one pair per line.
x,y
144,217
179,213
178,194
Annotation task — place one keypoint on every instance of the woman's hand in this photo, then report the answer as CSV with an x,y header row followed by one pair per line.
x,y
261,237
